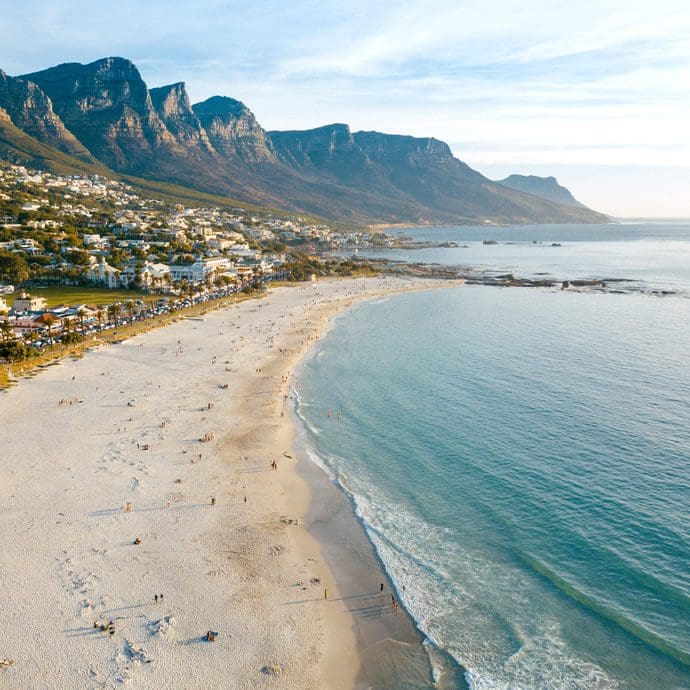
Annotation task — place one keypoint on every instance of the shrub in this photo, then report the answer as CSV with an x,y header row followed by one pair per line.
x,y
16,351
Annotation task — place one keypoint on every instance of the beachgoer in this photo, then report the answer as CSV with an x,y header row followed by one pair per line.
x,y
325,594
213,500
381,590
155,598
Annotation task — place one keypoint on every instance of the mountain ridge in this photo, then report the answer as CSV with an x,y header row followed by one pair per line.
x,y
104,112
544,187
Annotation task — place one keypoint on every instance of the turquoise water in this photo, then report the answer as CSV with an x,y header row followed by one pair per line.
x,y
646,256
521,461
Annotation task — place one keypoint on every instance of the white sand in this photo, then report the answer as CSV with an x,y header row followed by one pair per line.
x,y
68,469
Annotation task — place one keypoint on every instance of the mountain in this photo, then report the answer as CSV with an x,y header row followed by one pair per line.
x,y
108,107
544,187
174,109
104,112
31,110
233,129
398,178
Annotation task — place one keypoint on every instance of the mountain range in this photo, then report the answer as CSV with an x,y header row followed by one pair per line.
x,y
102,116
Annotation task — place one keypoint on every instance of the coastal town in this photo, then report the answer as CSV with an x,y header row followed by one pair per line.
x,y
141,256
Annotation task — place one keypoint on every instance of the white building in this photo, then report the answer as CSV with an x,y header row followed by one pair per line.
x,y
25,302
92,240
197,272
147,274
104,274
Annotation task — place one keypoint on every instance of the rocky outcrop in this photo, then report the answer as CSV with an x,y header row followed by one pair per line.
x,y
174,108
31,110
233,130
543,187
107,106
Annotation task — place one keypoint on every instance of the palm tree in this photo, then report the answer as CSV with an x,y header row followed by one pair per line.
x,y
114,311
81,314
49,320
130,310
100,315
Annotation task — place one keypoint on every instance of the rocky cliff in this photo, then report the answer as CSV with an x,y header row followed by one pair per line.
x,y
543,187
104,112
175,110
31,110
233,129
107,106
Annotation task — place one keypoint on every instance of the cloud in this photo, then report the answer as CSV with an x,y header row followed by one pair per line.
x,y
547,82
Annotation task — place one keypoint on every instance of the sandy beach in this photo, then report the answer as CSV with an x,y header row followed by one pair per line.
x,y
140,495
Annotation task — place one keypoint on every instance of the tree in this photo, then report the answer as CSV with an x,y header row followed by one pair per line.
x,y
15,351
49,320
81,314
100,315
114,311
79,257
13,268
7,332
130,310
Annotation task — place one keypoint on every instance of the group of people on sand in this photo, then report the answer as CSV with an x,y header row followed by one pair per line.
x,y
103,627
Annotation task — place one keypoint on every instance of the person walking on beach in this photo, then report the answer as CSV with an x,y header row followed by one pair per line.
x,y
325,594
381,590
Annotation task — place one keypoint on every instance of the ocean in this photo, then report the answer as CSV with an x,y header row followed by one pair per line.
x,y
520,459
636,257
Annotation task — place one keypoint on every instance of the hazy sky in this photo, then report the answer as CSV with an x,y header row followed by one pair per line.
x,y
596,92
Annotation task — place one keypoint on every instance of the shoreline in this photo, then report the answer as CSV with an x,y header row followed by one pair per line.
x,y
74,438
393,651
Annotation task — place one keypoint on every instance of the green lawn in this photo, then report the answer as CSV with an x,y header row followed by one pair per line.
x,y
78,295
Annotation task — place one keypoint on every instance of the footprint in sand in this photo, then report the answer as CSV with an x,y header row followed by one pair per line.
x,y
128,660
163,628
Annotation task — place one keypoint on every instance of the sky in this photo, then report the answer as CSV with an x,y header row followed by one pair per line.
x,y
595,92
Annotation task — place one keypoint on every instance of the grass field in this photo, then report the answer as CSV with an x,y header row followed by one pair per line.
x,y
78,295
